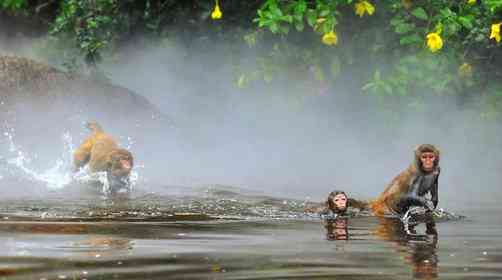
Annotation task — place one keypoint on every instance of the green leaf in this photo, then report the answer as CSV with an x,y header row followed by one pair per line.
x,y
275,11
396,21
420,13
367,86
298,17
311,17
300,7
465,22
324,12
446,12
376,75
263,22
274,27
288,19
299,26
387,88
327,26
404,28
410,39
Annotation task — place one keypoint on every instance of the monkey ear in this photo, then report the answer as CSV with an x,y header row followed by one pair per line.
x,y
110,159
416,148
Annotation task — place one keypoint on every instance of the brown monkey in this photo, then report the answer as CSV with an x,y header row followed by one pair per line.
x,y
412,185
102,153
337,203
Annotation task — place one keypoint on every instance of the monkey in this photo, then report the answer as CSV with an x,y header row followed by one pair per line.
x,y
101,153
337,205
337,202
410,187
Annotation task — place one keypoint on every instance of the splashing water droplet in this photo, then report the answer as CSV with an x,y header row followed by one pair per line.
x,y
59,175
56,177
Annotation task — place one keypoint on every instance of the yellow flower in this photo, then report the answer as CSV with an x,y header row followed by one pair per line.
x,y
471,2
364,7
465,70
495,32
330,38
216,14
434,42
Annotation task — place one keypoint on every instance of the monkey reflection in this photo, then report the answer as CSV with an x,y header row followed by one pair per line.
x,y
105,246
337,229
420,250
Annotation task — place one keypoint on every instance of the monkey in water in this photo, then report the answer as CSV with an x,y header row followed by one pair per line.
x,y
101,153
415,186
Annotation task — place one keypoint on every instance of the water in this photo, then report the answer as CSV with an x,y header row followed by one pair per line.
x,y
69,230
156,237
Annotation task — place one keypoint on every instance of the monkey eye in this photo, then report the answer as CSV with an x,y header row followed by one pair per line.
x,y
428,156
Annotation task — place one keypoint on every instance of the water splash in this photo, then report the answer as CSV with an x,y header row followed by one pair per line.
x,y
60,174
56,177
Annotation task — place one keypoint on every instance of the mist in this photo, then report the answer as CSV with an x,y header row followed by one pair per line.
x,y
278,139
288,137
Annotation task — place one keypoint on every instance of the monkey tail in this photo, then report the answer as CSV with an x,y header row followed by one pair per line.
x,y
94,127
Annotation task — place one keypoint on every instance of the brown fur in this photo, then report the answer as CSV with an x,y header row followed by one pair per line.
x,y
400,185
102,153
330,205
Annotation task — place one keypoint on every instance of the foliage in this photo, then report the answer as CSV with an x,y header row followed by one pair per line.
x,y
428,48
93,24
404,50
13,4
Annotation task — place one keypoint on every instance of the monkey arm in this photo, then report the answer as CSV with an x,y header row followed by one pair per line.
x,y
82,154
80,158
359,204
434,193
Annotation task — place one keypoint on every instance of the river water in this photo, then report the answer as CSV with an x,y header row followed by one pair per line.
x,y
226,235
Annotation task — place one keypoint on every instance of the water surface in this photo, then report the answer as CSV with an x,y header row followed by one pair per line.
x,y
232,236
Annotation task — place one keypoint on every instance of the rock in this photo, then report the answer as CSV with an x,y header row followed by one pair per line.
x,y
40,103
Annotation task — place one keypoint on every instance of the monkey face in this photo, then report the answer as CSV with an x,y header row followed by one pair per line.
x,y
121,163
119,169
340,201
427,159
337,202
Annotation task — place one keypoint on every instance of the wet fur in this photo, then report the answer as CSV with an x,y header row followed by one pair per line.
x,y
101,153
400,185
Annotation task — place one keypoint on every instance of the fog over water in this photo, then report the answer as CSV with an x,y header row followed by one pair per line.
x,y
266,137
279,138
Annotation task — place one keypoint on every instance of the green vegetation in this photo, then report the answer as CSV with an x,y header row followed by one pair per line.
x,y
404,50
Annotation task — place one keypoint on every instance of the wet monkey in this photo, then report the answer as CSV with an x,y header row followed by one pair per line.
x,y
101,153
412,186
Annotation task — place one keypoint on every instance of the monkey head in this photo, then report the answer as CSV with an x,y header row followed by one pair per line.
x,y
120,163
337,202
427,158
94,126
